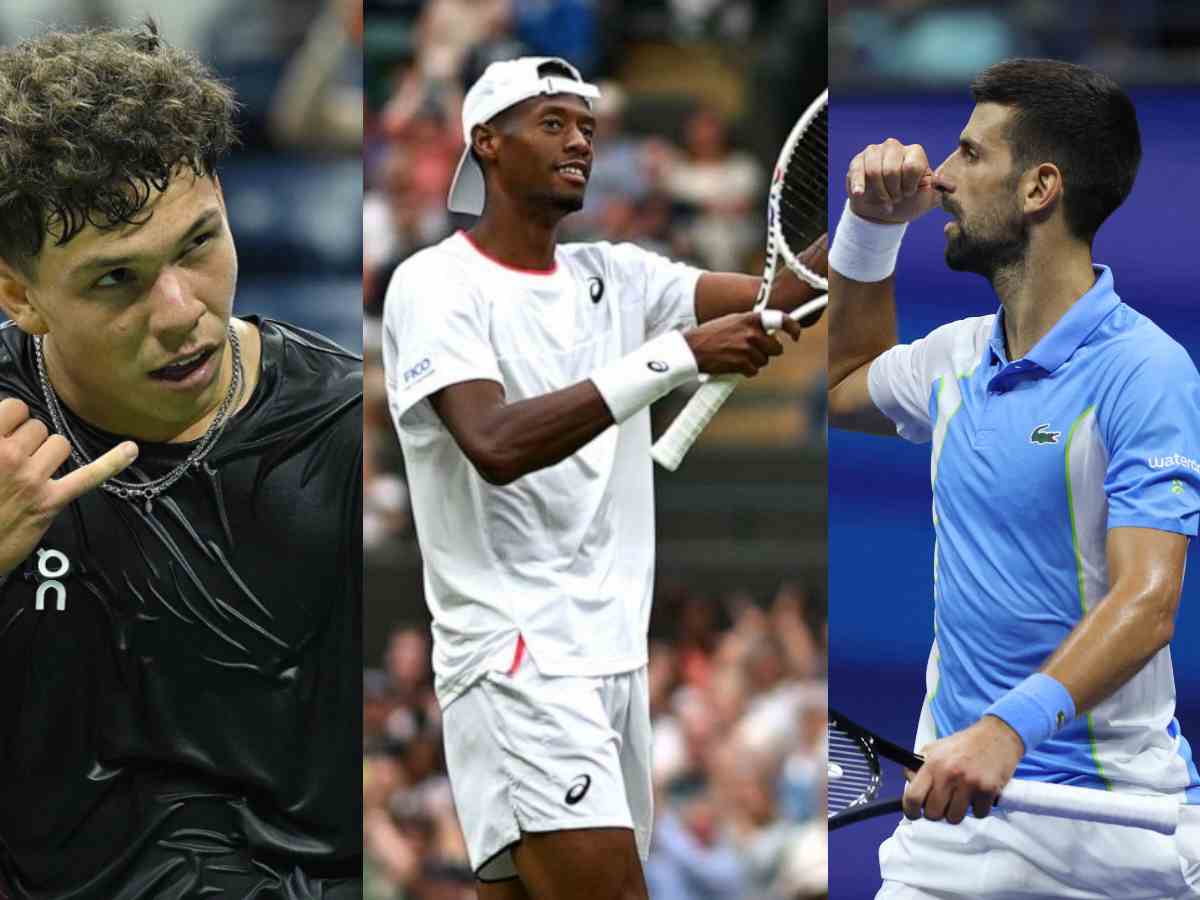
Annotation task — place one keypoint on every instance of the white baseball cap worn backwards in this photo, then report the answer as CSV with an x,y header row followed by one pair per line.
x,y
504,84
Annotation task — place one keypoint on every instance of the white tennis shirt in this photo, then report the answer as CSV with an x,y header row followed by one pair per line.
x,y
562,558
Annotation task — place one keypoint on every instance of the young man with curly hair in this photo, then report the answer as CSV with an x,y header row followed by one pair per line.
x,y
180,513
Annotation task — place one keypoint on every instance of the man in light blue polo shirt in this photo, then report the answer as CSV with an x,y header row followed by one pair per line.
x,y
1065,465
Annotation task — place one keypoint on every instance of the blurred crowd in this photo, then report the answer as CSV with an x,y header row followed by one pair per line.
x,y
898,42
737,701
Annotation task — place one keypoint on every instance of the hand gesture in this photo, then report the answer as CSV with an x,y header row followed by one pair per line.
x,y
736,344
892,182
29,497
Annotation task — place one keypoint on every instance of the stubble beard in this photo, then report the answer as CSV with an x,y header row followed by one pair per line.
x,y
989,247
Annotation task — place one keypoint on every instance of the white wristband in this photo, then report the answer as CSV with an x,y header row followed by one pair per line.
x,y
865,251
653,370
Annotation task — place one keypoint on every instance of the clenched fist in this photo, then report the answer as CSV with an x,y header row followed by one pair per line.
x,y
29,497
892,182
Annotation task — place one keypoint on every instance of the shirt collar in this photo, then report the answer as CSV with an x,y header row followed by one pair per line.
x,y
1071,331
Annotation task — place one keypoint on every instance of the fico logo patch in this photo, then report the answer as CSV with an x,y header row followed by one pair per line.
x,y
417,372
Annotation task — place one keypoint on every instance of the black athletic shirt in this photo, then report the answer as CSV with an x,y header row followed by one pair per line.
x,y
189,724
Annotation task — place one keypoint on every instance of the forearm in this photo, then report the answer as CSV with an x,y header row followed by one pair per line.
x,y
509,440
862,323
505,441
1111,643
1114,642
722,293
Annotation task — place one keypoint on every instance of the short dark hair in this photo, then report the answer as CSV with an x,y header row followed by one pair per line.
x,y
92,122
1076,118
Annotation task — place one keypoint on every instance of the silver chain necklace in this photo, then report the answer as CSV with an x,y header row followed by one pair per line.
x,y
147,490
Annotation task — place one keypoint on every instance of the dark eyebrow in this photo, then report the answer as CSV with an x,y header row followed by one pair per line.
x,y
204,220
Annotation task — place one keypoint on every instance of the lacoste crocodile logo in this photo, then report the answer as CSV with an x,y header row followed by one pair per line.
x,y
1042,435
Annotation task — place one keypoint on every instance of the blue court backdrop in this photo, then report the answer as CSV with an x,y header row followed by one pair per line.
x,y
880,534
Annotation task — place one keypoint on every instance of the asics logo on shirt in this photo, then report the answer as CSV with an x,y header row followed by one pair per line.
x,y
1041,435
578,788
596,288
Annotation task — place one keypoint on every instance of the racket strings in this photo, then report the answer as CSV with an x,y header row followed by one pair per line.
x,y
853,773
803,195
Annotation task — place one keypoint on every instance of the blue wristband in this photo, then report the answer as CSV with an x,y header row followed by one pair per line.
x,y
1034,709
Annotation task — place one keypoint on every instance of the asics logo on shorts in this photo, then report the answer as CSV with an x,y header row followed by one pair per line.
x,y
579,787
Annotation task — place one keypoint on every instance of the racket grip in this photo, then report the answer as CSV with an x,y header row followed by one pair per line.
x,y
671,448
1159,814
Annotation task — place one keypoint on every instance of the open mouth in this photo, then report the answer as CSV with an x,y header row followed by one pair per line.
x,y
576,173
179,371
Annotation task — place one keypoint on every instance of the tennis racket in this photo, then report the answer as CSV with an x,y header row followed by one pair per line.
x,y
797,215
855,777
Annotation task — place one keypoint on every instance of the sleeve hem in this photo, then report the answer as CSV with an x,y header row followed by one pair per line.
x,y
886,403
1173,526
404,400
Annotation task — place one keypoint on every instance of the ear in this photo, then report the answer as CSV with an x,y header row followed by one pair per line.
x,y
14,300
484,141
1041,189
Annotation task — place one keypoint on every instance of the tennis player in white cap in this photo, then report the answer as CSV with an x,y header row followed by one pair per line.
x,y
519,373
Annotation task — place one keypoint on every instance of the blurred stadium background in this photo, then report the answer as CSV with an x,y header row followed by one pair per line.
x,y
900,69
698,96
294,186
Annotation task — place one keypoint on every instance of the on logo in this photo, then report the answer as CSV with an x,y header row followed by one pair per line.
x,y
52,565
595,288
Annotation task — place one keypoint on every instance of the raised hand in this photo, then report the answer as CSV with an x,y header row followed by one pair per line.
x,y
892,182
30,497
736,344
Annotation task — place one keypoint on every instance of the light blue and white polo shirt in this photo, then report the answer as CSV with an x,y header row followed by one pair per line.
x,y
1033,462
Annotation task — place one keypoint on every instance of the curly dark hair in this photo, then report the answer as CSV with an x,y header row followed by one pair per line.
x,y
92,123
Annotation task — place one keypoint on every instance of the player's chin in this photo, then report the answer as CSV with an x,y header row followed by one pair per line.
x,y
569,203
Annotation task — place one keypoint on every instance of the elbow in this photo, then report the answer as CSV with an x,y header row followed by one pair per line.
x,y
841,411
496,466
1165,627
1159,620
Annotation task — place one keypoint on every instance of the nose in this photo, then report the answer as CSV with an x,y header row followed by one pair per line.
x,y
578,142
175,309
943,175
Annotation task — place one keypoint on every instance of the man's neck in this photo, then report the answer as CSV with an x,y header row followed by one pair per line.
x,y
523,238
107,419
1037,291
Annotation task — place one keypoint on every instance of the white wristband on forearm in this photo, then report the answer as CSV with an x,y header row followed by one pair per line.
x,y
865,251
636,380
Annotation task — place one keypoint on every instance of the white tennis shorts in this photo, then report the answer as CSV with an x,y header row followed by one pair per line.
x,y
1020,856
530,753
